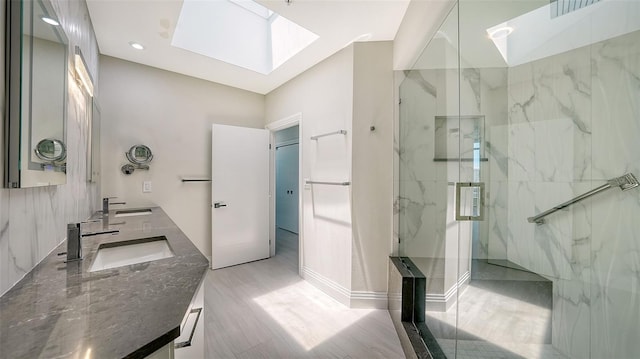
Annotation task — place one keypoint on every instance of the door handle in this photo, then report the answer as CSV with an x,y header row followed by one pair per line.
x,y
188,342
219,204
477,204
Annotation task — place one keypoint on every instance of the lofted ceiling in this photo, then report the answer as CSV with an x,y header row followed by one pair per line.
x,y
152,23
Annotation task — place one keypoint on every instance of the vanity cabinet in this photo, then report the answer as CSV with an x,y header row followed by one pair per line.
x,y
190,343
129,311
166,352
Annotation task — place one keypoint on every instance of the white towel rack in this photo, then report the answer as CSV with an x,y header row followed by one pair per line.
x,y
339,132
346,183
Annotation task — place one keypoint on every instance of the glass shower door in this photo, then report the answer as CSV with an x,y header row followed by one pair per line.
x,y
514,109
429,168
557,84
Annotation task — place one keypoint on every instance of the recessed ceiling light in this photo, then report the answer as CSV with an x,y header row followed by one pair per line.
x,y
136,45
50,21
500,32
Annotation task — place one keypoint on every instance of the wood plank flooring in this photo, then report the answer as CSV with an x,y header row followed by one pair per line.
x,y
264,309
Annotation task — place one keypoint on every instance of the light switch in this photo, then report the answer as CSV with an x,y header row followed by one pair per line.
x,y
146,186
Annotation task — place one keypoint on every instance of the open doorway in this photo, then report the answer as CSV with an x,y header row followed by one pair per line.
x,y
287,193
286,234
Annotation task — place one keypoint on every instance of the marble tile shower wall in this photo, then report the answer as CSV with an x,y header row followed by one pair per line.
x,y
422,202
615,245
555,128
549,161
574,123
33,220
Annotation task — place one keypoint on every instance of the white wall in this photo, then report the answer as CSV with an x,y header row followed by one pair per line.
x,y
346,230
372,174
172,114
323,94
420,22
33,220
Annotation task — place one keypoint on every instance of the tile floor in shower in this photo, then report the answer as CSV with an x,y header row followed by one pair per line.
x,y
502,313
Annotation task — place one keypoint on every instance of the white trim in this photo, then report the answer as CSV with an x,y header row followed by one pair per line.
x,y
286,122
287,143
289,121
442,302
369,300
329,287
351,299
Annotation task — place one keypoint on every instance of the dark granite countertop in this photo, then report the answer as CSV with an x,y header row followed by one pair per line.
x,y
62,310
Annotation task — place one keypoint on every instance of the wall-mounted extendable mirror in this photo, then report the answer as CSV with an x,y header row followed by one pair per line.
x,y
140,156
36,65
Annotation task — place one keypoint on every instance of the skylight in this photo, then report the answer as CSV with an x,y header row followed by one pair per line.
x,y
240,32
543,32
254,7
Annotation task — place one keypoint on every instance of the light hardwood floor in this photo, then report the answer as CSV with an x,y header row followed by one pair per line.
x,y
264,309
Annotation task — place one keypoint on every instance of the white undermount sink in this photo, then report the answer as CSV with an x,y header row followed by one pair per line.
x,y
118,254
133,212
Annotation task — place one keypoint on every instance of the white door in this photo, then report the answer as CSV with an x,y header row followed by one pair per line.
x,y
240,195
287,187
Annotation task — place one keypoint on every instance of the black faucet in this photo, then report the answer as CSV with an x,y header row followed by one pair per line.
x,y
74,243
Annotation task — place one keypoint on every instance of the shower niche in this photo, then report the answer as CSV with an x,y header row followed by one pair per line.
x,y
459,138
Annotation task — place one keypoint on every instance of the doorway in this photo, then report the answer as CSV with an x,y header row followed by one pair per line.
x,y
286,232
287,189
287,196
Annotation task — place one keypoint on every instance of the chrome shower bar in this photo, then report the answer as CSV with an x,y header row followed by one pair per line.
x,y
339,132
625,182
329,183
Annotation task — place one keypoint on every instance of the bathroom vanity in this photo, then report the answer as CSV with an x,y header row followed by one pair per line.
x,y
135,310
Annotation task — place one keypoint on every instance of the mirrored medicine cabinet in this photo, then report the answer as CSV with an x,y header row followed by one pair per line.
x,y
36,70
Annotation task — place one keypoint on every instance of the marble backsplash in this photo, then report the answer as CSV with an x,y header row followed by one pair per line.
x,y
33,220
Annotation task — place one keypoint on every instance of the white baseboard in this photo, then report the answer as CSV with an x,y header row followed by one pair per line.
x,y
369,300
331,288
442,302
351,299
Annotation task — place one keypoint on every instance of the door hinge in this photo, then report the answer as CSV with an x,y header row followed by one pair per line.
x,y
400,102
269,146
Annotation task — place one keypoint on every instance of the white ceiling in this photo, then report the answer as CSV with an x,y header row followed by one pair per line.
x,y
152,22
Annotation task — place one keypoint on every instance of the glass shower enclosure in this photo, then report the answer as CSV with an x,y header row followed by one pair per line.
x,y
517,157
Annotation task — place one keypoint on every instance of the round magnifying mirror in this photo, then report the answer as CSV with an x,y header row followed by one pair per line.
x,y
139,155
51,150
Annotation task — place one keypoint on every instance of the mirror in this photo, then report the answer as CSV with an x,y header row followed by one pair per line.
x,y
51,150
139,155
36,97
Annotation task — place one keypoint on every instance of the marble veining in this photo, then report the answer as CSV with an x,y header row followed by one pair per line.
x,y
62,310
571,123
471,78
33,220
